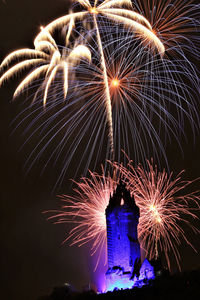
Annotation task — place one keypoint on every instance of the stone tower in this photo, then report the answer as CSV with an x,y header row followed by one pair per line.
x,y
122,216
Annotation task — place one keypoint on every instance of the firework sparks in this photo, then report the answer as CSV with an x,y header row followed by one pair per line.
x,y
129,19
156,194
138,83
147,95
113,10
162,209
48,64
87,211
175,22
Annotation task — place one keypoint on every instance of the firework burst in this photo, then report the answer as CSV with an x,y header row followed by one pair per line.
x,y
175,22
163,209
87,211
128,18
147,95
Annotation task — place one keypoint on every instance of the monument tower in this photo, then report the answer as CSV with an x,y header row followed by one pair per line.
x,y
122,216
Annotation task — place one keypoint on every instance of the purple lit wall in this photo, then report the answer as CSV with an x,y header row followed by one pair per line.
x,y
122,216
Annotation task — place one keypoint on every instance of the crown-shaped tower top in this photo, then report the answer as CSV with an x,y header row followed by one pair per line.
x,y
121,197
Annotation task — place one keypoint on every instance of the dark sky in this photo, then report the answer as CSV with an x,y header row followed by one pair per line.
x,y
33,260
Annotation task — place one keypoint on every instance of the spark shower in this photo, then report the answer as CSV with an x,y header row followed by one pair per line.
x,y
110,75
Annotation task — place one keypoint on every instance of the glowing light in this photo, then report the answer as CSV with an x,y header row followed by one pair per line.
x,y
117,284
155,212
158,220
152,207
122,202
93,10
115,83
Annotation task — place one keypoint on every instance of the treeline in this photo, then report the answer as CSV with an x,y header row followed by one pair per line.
x,y
180,286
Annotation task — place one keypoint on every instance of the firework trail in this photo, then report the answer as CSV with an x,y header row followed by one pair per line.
x,y
162,209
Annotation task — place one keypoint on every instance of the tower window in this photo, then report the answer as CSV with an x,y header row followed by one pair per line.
x,y
122,202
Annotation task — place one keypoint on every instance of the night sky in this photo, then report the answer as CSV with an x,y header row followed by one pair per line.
x,y
33,260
